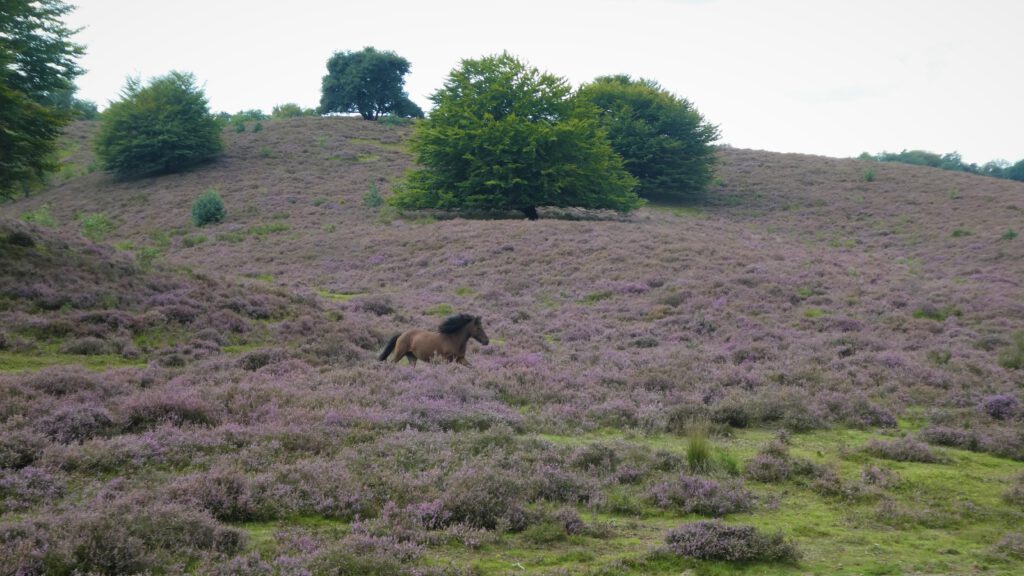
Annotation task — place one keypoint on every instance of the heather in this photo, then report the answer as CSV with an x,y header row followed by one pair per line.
x,y
808,355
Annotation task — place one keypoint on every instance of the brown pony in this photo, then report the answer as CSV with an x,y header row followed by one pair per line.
x,y
448,343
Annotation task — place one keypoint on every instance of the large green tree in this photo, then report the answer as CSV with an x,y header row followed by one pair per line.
x,y
1015,172
160,128
664,140
504,135
37,61
369,82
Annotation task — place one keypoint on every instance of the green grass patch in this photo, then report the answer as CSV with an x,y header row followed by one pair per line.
x,y
18,362
443,309
338,296
814,313
595,297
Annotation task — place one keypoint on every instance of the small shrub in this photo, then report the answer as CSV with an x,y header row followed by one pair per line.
x,y
22,489
88,346
715,540
695,495
373,199
208,208
545,533
960,233
482,497
146,255
1015,495
76,423
97,226
1000,406
1010,546
258,127
869,175
1010,234
905,449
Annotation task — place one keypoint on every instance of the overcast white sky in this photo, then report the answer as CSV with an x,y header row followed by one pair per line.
x,y
831,77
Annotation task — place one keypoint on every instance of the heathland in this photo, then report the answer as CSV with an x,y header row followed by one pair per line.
x,y
828,350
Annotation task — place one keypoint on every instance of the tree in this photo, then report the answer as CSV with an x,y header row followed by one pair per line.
x,y
368,82
161,128
1015,172
504,135
37,60
667,145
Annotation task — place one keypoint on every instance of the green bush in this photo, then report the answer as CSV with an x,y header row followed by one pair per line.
x,y
505,136
372,198
667,145
208,208
161,128
289,110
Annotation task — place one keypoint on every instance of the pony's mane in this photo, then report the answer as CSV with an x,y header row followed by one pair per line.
x,y
453,324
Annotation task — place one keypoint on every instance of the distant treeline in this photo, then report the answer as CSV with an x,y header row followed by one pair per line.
x,y
951,161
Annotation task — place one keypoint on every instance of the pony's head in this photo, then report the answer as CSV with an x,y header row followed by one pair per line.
x,y
473,324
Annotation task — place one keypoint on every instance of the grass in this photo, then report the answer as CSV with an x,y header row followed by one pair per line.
x,y
21,362
338,296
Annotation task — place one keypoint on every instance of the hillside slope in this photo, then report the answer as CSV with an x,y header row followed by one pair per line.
x,y
848,311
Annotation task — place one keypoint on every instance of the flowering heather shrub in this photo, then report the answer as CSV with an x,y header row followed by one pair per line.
x,y
714,540
228,495
1015,495
169,404
1000,406
554,483
22,489
19,447
1010,546
949,436
76,423
904,449
882,477
696,495
62,380
482,497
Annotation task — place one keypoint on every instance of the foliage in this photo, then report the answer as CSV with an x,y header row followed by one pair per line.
x,y
208,208
372,197
291,110
41,216
506,136
1013,356
1015,172
36,62
161,128
666,143
368,82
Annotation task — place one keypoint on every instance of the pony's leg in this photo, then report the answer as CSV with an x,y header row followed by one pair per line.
x,y
402,349
411,357
462,360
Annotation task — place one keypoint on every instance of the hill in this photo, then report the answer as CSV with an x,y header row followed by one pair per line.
x,y
869,309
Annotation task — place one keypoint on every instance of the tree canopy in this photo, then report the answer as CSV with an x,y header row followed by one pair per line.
x,y
504,135
666,143
160,128
369,82
37,61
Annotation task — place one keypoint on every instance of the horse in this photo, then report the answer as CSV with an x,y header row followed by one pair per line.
x,y
448,343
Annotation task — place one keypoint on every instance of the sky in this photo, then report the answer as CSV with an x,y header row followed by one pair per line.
x,y
828,77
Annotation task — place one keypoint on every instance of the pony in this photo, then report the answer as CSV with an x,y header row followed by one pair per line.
x,y
448,343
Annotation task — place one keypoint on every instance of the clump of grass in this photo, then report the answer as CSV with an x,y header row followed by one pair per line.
x,y
1013,357
193,240
930,312
869,175
1010,234
960,233
443,309
698,446
96,226
40,216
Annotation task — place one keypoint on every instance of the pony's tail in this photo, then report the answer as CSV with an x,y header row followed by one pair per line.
x,y
389,348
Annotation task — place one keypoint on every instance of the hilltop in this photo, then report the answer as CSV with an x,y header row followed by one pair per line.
x,y
849,302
